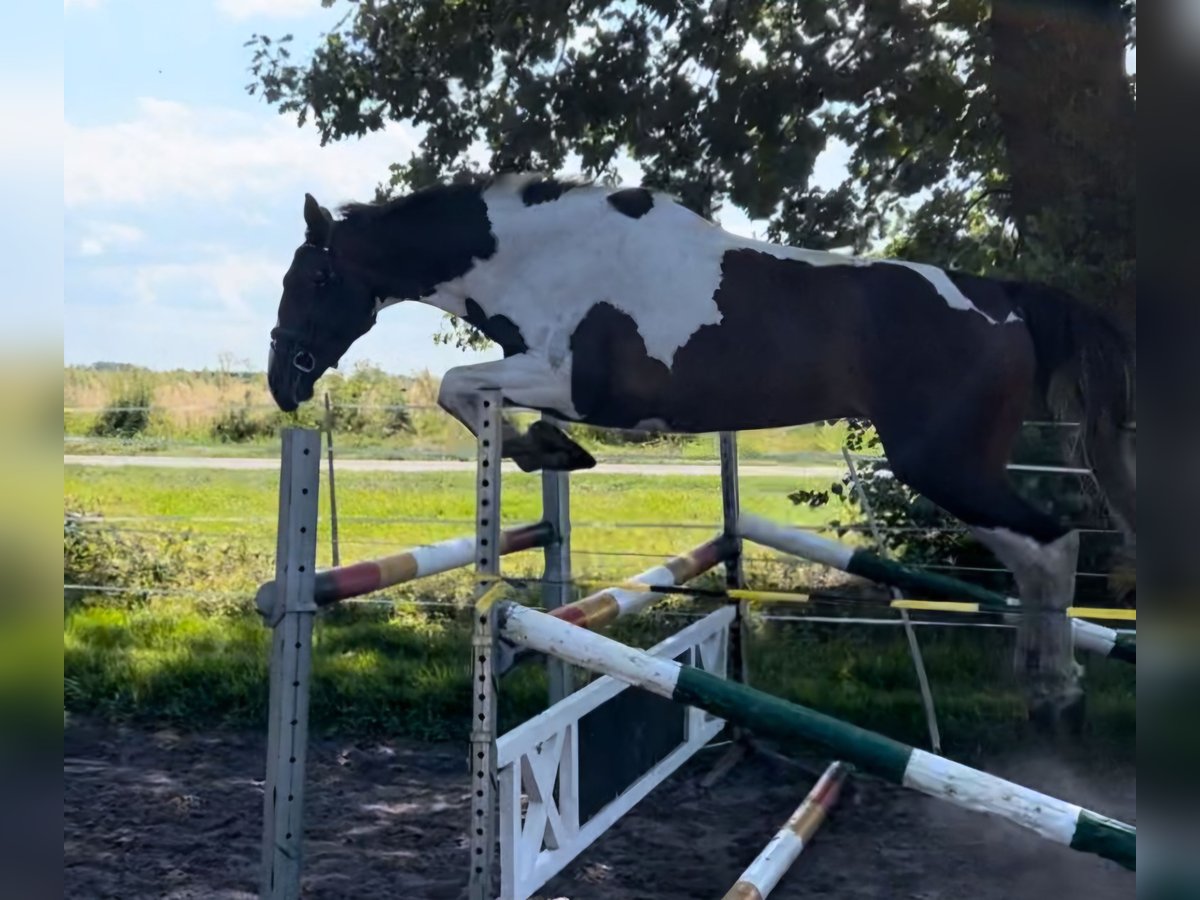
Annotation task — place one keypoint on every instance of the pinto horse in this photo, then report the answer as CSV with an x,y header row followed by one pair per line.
x,y
623,309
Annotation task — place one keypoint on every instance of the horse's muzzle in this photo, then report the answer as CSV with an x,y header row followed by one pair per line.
x,y
290,375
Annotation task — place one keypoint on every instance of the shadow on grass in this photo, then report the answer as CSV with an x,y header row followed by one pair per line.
x,y
405,674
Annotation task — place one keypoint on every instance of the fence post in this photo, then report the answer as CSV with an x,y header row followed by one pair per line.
x,y
335,552
734,573
291,665
556,586
484,811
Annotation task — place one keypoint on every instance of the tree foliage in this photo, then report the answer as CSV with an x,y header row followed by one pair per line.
x,y
994,137
732,101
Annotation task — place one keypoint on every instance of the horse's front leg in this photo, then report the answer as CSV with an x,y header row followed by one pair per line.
x,y
522,380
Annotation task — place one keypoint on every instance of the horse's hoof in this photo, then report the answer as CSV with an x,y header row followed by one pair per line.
x,y
558,452
568,462
527,461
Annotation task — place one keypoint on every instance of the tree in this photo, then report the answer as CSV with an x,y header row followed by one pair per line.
x,y
991,137
1023,117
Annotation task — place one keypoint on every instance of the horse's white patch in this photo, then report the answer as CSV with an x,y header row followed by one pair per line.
x,y
557,260
526,379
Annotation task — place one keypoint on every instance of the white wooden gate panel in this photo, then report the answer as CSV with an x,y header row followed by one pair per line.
x,y
540,841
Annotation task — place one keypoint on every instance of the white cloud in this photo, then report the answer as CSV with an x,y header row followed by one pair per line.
x,y
230,281
80,4
275,9
100,237
170,151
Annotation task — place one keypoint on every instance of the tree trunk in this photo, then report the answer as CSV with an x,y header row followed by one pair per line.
x,y
1067,116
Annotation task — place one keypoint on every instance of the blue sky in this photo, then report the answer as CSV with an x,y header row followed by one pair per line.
x,y
183,193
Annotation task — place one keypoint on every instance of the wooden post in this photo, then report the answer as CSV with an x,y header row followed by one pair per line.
x,y
482,829
739,665
556,586
335,558
914,647
291,665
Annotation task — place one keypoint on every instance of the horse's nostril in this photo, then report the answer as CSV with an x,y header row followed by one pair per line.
x,y
303,360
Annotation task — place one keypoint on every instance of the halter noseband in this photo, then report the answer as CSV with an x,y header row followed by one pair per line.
x,y
302,359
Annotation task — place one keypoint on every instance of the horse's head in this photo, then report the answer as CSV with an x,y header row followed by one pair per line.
x,y
326,306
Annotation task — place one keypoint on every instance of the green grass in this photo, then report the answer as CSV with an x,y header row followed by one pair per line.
x,y
611,514
403,669
379,672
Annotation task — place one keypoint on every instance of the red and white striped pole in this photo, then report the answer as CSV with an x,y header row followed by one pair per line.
x,y
797,832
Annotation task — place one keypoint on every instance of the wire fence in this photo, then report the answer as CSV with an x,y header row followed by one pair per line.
x,y
261,528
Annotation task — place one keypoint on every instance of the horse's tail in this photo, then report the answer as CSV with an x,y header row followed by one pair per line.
x,y
1085,369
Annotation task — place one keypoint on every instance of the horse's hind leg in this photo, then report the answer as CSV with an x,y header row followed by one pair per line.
x,y
959,473
1045,576
523,380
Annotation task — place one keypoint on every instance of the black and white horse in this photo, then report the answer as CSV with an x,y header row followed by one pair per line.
x,y
621,308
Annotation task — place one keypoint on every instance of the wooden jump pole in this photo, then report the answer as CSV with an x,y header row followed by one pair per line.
x,y
1054,819
341,583
1087,635
762,875
599,610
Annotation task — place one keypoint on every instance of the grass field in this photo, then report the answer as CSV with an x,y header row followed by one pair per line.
x,y
184,649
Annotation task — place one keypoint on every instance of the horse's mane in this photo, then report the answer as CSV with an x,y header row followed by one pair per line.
x,y
534,187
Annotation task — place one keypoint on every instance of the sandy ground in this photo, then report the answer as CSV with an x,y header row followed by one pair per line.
x,y
169,815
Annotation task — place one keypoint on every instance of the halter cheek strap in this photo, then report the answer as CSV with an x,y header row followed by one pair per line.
x,y
303,359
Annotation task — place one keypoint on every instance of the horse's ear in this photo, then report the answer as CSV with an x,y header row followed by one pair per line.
x,y
318,222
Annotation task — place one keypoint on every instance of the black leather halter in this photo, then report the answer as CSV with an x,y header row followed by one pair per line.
x,y
302,358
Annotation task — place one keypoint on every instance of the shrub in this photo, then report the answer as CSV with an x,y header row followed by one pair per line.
x,y
126,414
368,402
128,569
238,424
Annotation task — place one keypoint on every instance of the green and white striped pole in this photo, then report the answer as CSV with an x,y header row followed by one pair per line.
x,y
898,763
1087,635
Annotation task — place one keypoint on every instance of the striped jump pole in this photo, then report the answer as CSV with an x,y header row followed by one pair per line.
x,y
797,832
599,610
344,582
1087,635
757,711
